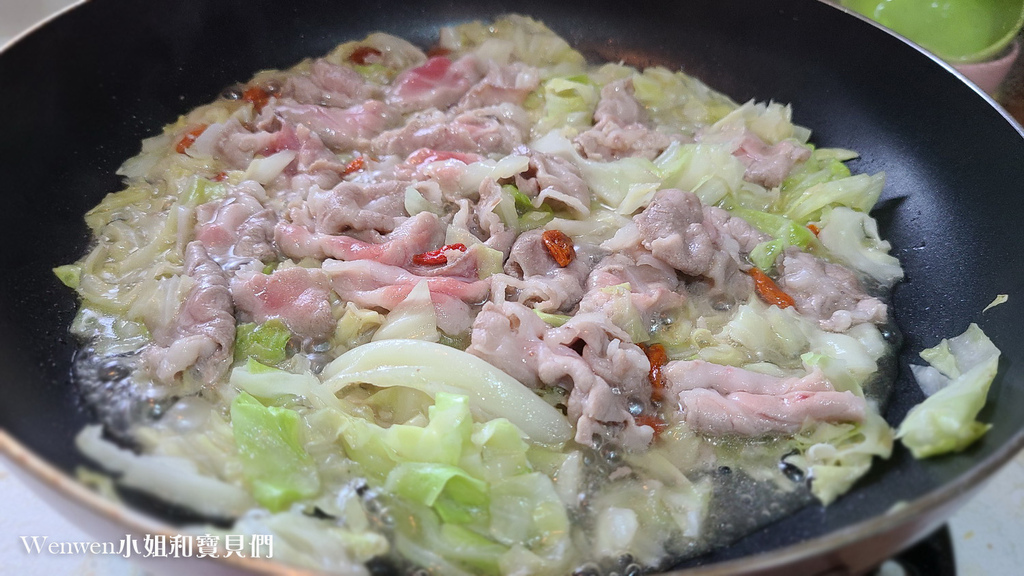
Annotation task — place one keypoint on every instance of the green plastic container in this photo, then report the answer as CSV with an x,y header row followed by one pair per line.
x,y
955,30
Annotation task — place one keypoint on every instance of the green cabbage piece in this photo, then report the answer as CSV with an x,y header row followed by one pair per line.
x,y
959,374
823,181
568,102
202,191
435,368
784,233
175,479
771,122
113,203
111,334
462,486
439,442
274,463
266,343
624,314
456,496
521,38
70,275
859,192
834,456
675,99
413,317
555,320
853,237
708,170
611,181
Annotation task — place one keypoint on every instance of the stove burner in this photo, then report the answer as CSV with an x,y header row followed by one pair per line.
x,y
932,556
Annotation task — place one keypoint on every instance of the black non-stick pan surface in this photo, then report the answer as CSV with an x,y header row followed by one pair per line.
x,y
78,95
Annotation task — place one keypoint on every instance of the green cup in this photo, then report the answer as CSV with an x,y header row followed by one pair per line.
x,y
957,31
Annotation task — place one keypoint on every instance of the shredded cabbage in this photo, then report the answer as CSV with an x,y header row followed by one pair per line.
x,y
957,379
276,467
435,368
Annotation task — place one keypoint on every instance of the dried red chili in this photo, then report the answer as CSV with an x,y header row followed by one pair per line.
x,y
769,291
437,257
357,164
257,96
362,55
655,422
189,138
657,357
559,246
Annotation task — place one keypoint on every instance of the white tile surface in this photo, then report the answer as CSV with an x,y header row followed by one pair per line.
x,y
986,534
18,15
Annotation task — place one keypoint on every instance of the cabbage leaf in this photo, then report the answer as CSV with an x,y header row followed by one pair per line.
x,y
274,463
959,374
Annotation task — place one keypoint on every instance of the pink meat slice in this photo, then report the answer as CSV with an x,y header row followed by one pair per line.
x,y
752,415
691,374
340,128
438,83
370,284
202,335
417,234
769,165
724,400
236,228
299,297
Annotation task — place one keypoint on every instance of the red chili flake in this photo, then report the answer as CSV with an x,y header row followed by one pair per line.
x,y
657,356
257,96
437,257
655,422
814,229
362,55
189,138
357,164
559,246
438,51
769,291
220,177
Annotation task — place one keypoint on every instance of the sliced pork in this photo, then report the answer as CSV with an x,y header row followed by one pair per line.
x,y
341,129
533,277
553,180
352,207
723,400
201,338
653,288
415,235
753,415
332,85
436,84
299,297
606,376
612,380
672,228
237,229
371,284
502,83
829,292
769,165
494,129
620,128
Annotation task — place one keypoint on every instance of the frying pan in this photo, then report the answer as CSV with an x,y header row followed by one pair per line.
x,y
80,93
